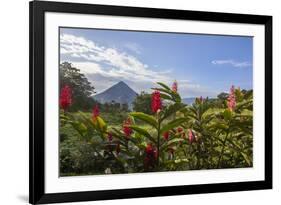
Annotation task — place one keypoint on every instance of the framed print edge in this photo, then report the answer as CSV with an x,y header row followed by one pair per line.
x,y
36,109
37,192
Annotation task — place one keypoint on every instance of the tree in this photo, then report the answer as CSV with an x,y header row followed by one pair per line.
x,y
82,90
223,96
125,107
142,103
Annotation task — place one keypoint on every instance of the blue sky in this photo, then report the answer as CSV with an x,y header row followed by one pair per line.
x,y
203,65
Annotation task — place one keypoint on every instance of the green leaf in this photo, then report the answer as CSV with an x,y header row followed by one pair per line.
x,y
143,132
172,124
175,96
79,127
227,114
212,111
247,158
102,125
171,143
145,117
246,113
165,96
164,86
244,104
172,109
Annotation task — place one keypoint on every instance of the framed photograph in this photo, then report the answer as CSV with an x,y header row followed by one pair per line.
x,y
140,102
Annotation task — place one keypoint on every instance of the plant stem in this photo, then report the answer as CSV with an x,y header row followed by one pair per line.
x,y
158,144
222,150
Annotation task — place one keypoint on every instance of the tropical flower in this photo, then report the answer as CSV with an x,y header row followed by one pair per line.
x,y
156,103
65,97
179,129
95,113
231,100
191,136
181,132
126,127
166,135
151,155
109,137
175,86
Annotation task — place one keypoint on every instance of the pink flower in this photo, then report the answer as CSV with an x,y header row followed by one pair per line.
x,y
191,136
166,135
231,100
95,113
175,86
126,127
65,97
156,103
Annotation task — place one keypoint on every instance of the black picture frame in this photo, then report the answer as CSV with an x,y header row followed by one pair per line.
x,y
37,11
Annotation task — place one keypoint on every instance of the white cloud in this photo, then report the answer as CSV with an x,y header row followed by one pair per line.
x,y
106,66
232,63
133,47
121,63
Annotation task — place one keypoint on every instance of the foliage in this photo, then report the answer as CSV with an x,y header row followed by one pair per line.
x,y
82,90
171,136
142,103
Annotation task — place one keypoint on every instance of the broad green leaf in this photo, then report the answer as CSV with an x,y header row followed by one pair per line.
x,y
172,109
244,104
143,132
79,127
176,97
145,117
227,114
212,111
172,124
101,123
165,96
246,113
247,158
164,86
171,143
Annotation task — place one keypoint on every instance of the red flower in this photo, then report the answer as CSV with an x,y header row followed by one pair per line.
x,y
175,86
156,103
151,155
180,129
65,97
126,127
231,100
95,113
109,137
166,135
191,136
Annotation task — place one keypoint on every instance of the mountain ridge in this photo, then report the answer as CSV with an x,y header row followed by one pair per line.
x,y
119,92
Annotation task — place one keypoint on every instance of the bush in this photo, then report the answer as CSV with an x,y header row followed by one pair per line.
x,y
173,137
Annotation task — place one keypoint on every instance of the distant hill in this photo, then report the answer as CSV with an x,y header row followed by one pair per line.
x,y
120,93
188,101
